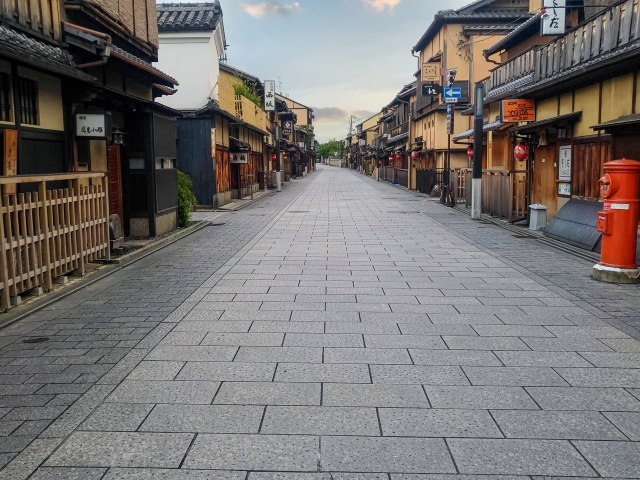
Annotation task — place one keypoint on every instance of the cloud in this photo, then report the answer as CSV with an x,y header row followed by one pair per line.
x,y
258,10
381,5
330,113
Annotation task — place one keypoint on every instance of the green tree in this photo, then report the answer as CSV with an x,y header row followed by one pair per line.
x,y
186,199
330,148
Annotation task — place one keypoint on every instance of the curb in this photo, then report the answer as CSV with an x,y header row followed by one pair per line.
x,y
109,270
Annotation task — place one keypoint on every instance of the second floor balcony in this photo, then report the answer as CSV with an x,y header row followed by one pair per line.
x,y
609,38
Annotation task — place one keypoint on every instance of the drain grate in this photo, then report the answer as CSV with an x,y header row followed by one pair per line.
x,y
524,237
36,340
402,213
298,211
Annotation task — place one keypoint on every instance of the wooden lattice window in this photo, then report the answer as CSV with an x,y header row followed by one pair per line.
x,y
5,98
28,101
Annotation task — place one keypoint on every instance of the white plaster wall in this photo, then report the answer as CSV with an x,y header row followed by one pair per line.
x,y
192,59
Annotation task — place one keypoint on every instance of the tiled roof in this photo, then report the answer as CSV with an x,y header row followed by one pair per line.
x,y
487,127
138,62
50,57
188,16
509,88
514,15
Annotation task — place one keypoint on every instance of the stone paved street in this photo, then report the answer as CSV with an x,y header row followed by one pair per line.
x,y
341,329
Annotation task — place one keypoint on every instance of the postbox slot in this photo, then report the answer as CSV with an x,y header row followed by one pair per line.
x,y
605,222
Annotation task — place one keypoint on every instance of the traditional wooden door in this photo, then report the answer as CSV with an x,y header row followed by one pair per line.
x,y
115,182
544,178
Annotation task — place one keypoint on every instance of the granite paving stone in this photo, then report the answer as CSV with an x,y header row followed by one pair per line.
x,y
349,342
118,449
518,457
254,452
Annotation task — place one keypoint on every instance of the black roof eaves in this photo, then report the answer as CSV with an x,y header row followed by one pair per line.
x,y
504,41
451,16
239,73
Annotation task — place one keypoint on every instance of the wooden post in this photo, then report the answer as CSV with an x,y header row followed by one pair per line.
x,y
44,225
5,301
10,167
80,222
105,209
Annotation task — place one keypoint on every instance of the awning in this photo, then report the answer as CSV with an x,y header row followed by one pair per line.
x,y
397,138
487,127
238,145
561,121
623,121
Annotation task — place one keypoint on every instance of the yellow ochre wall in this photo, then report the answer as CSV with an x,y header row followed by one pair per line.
x,y
50,111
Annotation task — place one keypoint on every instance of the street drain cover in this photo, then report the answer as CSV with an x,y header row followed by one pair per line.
x,y
402,213
36,340
524,237
299,211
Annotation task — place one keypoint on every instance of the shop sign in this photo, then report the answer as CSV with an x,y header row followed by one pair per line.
x,y
564,189
287,128
521,110
269,95
431,72
554,17
431,89
239,158
564,170
91,125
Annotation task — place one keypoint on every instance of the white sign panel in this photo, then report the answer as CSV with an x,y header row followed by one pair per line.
x,y
554,18
269,95
564,170
239,158
91,125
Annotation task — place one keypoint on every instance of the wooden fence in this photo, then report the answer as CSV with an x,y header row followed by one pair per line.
x,y
504,193
51,232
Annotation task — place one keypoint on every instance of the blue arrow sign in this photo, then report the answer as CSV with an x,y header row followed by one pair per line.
x,y
454,92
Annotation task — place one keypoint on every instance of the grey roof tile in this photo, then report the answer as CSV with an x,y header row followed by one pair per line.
x,y
188,16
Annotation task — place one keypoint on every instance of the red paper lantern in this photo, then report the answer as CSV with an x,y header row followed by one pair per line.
x,y
470,151
391,158
398,156
414,155
521,152
274,157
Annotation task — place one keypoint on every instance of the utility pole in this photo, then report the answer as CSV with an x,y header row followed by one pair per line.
x,y
451,111
278,163
476,182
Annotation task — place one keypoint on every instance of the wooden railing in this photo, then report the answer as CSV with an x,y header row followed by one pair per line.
x,y
615,28
51,232
517,67
246,186
41,16
227,97
504,193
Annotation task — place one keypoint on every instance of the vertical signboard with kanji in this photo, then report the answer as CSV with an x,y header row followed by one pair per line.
x,y
564,167
554,17
269,96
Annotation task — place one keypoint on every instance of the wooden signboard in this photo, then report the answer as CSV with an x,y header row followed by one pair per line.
x,y
521,110
10,167
431,73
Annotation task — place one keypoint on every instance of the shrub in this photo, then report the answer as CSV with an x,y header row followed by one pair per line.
x,y
186,199
247,89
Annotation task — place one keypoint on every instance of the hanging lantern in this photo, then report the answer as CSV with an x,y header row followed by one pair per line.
x,y
414,155
521,152
391,158
398,156
470,151
274,157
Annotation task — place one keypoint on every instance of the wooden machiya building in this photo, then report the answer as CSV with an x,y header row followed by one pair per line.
x,y
85,147
78,65
584,88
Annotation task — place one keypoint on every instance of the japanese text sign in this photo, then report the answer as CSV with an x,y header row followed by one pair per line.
x,y
91,125
554,18
269,95
518,110
431,73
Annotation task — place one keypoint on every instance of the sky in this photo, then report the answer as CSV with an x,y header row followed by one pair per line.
x,y
339,57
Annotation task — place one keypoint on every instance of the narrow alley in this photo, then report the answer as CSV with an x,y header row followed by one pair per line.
x,y
343,329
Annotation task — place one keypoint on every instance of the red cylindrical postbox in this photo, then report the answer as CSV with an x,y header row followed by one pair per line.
x,y
619,222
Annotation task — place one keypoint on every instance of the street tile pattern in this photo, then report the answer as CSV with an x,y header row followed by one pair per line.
x,y
344,329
